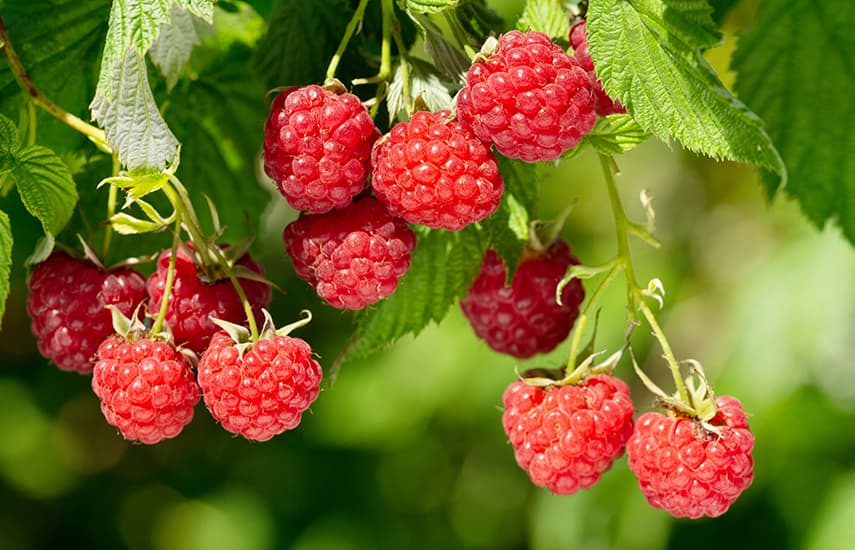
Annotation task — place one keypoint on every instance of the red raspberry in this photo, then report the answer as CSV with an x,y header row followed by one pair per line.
x,y
529,98
67,307
194,300
687,471
524,318
434,172
317,147
603,104
352,257
146,388
565,437
262,392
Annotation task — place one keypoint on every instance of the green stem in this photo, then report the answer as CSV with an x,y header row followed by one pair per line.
x,y
355,21
585,314
32,121
666,349
111,209
405,69
247,308
170,279
388,8
26,83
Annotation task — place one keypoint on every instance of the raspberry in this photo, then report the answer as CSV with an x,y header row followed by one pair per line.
x,y
317,147
146,388
565,437
529,98
262,392
687,471
603,104
433,171
193,299
352,257
67,307
524,319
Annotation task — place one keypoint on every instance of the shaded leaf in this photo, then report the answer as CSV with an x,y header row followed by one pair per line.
x,y
45,186
5,261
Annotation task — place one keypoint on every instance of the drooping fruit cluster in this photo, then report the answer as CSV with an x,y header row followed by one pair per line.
x,y
524,318
67,307
690,469
566,436
603,104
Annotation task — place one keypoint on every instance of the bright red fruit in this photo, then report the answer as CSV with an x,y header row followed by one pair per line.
x,y
67,307
529,98
146,388
432,171
565,437
262,392
685,469
317,147
603,104
524,318
194,300
352,257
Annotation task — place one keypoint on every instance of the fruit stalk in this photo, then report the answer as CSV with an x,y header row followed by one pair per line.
x,y
170,278
355,21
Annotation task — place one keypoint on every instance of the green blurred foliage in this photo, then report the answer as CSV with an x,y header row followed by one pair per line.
x,y
406,450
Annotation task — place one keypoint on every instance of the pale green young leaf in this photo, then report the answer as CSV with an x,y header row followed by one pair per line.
x,y
45,186
796,68
616,134
430,6
648,55
547,16
5,261
423,82
175,42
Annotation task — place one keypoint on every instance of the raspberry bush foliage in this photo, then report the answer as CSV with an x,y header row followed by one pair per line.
x,y
399,151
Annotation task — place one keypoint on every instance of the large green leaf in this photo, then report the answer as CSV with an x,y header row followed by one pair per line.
x,y
5,261
795,67
45,186
648,54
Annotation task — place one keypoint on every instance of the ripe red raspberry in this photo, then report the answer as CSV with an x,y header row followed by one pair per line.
x,y
529,98
603,104
193,300
146,388
524,319
687,471
262,392
67,307
434,172
317,147
352,257
565,437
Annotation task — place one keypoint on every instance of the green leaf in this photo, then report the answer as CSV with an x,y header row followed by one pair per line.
x,y
547,16
423,82
5,261
45,186
447,57
444,264
8,144
429,6
648,55
616,134
139,185
795,67
175,42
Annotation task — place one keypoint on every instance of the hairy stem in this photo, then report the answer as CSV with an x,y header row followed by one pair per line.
x,y
355,21
586,312
170,279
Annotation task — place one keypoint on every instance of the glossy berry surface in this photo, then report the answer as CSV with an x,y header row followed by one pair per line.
x,y
147,389
603,104
317,147
194,300
688,471
352,257
565,437
529,98
67,310
524,318
434,172
265,391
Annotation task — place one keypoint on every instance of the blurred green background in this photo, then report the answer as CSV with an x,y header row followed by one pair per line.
x,y
407,449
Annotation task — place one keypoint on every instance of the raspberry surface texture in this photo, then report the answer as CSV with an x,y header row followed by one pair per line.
x,y
529,98
524,318
687,471
265,391
67,310
317,147
146,388
194,300
434,172
565,437
352,257
603,104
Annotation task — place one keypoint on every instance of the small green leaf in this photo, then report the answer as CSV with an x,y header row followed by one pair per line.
x,y
648,55
175,43
138,185
125,224
5,261
45,186
616,134
44,246
430,6
547,16
8,144
423,82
